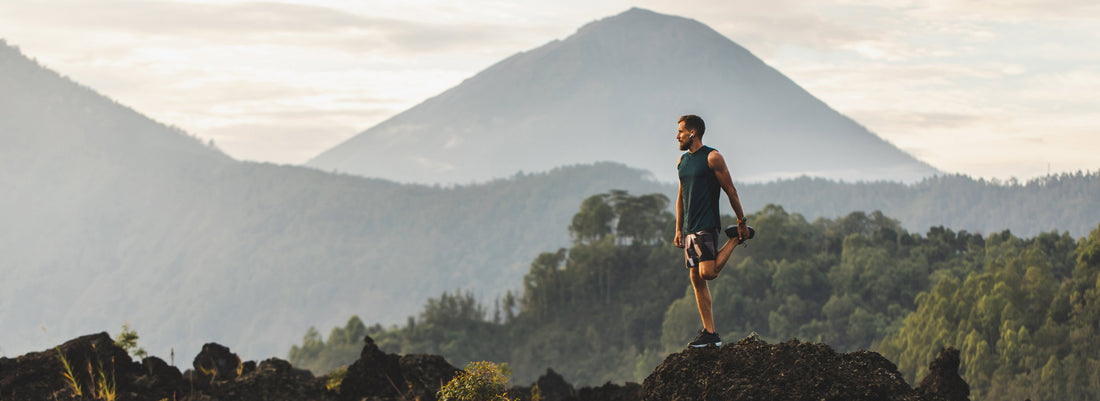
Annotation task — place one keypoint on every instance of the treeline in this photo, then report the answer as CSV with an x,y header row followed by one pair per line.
x,y
1065,201
1026,322
618,300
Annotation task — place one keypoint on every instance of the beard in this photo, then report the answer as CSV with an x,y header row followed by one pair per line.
x,y
685,145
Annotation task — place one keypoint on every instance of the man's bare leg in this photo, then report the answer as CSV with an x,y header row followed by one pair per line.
x,y
711,271
702,295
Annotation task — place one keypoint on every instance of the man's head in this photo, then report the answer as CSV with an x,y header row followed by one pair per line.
x,y
691,129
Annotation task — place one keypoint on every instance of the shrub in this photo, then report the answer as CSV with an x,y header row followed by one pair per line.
x,y
480,381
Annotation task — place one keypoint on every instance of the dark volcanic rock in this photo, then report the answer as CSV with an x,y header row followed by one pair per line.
x,y
273,380
425,374
375,373
215,363
611,392
41,375
553,387
755,370
748,370
943,378
160,379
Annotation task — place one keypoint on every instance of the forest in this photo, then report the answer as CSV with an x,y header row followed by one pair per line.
x,y
614,303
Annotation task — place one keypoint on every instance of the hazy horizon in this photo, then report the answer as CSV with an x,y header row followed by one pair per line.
x,y
988,91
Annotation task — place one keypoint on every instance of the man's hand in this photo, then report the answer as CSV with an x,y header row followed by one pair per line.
x,y
743,230
679,240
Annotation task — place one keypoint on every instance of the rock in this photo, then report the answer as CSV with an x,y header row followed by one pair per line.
x,y
425,374
215,363
273,380
755,370
611,392
375,374
748,370
39,375
559,390
247,367
943,378
160,380
553,387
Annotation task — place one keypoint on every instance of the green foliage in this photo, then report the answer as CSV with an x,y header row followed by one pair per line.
x,y
610,308
336,378
642,219
1025,323
480,381
127,340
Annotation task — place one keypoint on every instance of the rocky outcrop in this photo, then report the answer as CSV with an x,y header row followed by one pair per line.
x,y
943,378
755,370
749,370
375,373
272,380
215,363
553,387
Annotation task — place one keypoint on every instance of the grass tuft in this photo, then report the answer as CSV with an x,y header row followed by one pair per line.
x,y
68,374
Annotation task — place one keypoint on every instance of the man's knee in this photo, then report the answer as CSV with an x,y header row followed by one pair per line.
x,y
708,270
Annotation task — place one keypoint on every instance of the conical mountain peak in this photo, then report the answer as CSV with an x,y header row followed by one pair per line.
x,y
613,91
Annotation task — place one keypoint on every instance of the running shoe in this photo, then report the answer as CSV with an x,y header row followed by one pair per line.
x,y
731,231
706,339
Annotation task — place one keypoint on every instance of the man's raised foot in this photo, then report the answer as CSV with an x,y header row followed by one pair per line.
x,y
731,231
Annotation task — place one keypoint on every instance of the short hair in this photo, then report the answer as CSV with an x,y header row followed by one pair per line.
x,y
693,122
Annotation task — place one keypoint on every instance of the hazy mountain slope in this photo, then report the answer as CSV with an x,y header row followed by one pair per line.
x,y
613,91
111,217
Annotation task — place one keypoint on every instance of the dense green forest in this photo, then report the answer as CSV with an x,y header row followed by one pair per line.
x,y
1026,322
612,305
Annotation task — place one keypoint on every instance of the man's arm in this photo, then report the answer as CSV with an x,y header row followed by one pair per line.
x,y
717,163
679,240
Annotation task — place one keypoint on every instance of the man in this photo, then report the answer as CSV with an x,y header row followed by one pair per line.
x,y
703,173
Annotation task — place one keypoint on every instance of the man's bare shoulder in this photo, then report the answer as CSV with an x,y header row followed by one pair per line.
x,y
715,159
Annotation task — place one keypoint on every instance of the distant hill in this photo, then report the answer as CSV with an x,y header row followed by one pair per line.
x,y
612,92
112,217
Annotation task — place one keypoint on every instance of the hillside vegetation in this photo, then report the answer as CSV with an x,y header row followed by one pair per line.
x,y
613,304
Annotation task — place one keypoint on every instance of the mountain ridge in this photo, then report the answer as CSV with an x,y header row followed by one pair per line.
x,y
612,92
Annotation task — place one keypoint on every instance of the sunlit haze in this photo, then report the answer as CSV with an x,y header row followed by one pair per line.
x,y
994,91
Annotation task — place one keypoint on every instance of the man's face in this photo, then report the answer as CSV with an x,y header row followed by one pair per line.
x,y
685,137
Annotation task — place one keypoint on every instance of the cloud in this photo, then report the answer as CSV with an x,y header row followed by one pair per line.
x,y
253,23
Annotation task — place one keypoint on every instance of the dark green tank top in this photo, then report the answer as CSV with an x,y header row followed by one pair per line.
x,y
699,190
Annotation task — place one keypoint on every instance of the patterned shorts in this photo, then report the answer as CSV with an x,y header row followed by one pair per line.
x,y
699,247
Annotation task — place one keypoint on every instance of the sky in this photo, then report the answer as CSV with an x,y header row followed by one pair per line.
x,y
991,89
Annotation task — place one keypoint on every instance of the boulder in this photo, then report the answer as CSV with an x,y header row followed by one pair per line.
x,y
425,374
41,375
374,374
943,378
553,387
755,370
160,380
273,379
611,392
215,363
